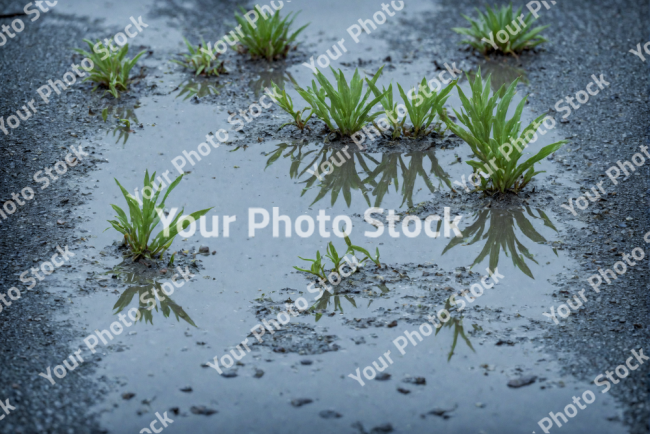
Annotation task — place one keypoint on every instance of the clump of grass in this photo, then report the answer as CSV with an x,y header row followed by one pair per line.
x,y
347,111
426,104
269,37
485,31
421,104
317,267
284,101
111,70
143,220
495,141
390,109
200,59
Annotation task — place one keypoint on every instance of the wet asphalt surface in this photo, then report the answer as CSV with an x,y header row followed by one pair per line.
x,y
298,380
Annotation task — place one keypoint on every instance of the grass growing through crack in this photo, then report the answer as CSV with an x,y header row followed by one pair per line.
x,y
485,31
284,101
200,59
111,71
488,132
270,36
347,112
143,220
317,267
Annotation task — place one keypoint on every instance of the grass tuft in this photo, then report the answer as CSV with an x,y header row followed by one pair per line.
x,y
390,109
317,267
485,31
422,105
284,101
425,106
269,37
145,218
495,141
202,60
111,70
347,112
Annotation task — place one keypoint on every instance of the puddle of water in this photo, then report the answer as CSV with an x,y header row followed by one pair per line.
x,y
114,12
157,34
328,21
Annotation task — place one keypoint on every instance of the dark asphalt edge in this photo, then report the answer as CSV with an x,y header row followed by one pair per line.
x,y
31,338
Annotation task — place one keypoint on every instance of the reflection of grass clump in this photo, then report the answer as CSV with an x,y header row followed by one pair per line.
x,y
459,330
144,220
199,88
370,181
489,133
323,303
501,236
269,37
501,73
388,169
145,294
126,117
111,71
202,60
490,27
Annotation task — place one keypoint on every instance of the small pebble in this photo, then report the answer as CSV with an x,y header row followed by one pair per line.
x,y
522,381
300,402
329,414
202,410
